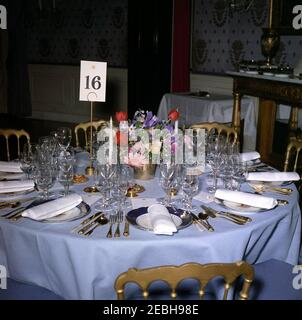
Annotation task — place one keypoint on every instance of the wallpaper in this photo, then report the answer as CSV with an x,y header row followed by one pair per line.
x,y
222,36
64,32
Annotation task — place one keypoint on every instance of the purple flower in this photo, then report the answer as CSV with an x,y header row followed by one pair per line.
x,y
170,128
151,120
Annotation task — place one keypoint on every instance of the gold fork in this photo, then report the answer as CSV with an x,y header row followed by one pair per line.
x,y
112,220
119,219
261,188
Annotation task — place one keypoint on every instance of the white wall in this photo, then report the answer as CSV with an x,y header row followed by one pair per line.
x,y
55,93
217,84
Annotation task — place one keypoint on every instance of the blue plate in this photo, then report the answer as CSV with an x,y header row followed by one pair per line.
x,y
133,215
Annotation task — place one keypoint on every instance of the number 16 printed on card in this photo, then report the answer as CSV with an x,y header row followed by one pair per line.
x,y
93,81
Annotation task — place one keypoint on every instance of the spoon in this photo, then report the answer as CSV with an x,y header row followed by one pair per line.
x,y
10,205
102,220
204,216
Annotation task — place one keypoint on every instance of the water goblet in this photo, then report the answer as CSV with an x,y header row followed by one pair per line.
x,y
27,159
44,180
190,188
65,174
64,137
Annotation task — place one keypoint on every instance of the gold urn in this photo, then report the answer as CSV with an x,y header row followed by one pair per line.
x,y
270,42
146,172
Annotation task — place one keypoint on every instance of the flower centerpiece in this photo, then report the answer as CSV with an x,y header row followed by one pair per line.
x,y
147,136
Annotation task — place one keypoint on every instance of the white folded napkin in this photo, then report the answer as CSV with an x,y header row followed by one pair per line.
x,y
249,156
161,220
15,186
52,208
11,166
273,176
253,200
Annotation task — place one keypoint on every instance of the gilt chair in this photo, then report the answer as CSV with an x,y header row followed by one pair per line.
x,y
174,275
292,155
219,128
8,135
85,126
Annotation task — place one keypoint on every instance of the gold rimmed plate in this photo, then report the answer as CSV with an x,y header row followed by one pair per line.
x,y
17,193
271,183
239,207
78,212
139,218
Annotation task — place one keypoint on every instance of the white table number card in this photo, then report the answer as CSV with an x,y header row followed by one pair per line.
x,y
93,81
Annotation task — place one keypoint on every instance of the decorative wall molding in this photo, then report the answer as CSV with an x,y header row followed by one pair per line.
x,y
55,93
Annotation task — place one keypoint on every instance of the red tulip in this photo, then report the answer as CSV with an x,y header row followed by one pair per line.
x,y
121,116
121,138
173,115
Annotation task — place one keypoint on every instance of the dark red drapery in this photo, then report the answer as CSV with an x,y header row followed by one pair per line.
x,y
180,81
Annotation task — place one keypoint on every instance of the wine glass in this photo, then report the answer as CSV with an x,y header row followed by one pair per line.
x,y
64,137
27,159
48,144
44,180
121,185
167,180
65,175
107,172
190,187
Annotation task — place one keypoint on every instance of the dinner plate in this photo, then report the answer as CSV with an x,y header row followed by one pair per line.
x,y
252,162
271,183
139,218
81,210
252,72
17,193
281,75
239,207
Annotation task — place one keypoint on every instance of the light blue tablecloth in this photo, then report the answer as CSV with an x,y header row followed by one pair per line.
x,y
75,267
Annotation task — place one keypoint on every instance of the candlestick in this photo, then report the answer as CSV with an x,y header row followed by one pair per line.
x,y
110,141
54,4
40,5
176,128
90,169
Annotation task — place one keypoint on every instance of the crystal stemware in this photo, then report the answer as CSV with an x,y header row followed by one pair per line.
x,y
190,187
44,180
64,137
27,159
167,177
65,174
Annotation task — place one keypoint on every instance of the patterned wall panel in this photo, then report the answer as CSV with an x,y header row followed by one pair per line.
x,y
77,29
222,36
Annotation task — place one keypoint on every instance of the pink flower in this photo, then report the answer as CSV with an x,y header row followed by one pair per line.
x,y
138,147
136,160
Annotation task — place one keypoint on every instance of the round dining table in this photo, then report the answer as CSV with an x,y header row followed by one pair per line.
x,y
77,267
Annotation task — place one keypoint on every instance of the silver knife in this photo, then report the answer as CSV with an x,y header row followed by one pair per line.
x,y
227,215
201,222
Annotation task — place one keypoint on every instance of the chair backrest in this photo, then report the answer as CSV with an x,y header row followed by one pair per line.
x,y
85,126
7,133
173,275
293,152
220,128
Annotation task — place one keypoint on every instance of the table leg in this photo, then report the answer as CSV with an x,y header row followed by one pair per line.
x,y
293,121
266,126
236,112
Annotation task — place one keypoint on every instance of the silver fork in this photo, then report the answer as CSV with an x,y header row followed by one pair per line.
x,y
112,220
118,220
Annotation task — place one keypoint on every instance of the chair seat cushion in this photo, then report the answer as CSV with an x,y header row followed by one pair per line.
x,y
274,281
21,291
